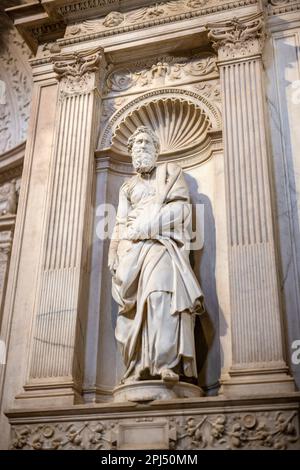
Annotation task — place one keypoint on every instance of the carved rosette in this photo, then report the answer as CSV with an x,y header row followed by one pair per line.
x,y
78,72
238,38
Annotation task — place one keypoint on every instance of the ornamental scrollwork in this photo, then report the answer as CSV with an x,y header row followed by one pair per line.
x,y
237,37
75,70
165,70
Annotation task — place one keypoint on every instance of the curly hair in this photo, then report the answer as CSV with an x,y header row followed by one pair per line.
x,y
144,130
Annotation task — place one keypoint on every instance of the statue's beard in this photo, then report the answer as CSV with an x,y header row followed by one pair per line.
x,y
144,164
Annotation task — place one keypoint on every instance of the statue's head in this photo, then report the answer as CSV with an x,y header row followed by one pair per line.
x,y
143,146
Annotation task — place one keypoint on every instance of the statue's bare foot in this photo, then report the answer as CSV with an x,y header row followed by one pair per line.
x,y
139,374
131,379
168,375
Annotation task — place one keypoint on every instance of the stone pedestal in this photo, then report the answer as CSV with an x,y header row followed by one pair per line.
x,y
150,390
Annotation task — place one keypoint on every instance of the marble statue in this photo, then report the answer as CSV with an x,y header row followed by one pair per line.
x,y
153,283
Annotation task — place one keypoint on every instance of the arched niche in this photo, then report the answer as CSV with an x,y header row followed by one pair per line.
x,y
187,124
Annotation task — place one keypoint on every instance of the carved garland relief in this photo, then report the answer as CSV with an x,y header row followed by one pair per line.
x,y
252,430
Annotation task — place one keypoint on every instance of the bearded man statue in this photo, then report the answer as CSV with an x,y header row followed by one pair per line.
x,y
153,282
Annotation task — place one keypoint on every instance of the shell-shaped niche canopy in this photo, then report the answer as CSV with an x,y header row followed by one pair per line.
x,y
180,125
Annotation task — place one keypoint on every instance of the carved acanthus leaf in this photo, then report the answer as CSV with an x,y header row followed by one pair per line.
x,y
237,37
75,70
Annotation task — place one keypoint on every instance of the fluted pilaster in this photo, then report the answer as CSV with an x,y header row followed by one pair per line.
x,y
57,349
257,338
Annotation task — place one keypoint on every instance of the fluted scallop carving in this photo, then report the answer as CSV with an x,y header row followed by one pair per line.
x,y
179,124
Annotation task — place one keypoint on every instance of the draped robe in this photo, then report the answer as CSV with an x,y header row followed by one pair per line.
x,y
154,285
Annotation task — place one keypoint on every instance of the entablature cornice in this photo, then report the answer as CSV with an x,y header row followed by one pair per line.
x,y
72,21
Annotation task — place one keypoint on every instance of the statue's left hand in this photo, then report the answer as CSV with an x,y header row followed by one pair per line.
x,y
135,233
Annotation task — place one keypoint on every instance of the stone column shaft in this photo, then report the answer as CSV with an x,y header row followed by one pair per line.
x,y
257,339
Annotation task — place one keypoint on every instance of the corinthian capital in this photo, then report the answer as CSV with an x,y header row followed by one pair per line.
x,y
75,70
237,37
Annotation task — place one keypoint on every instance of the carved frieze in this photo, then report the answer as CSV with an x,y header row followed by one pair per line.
x,y
237,431
75,435
165,70
244,430
150,13
237,37
147,16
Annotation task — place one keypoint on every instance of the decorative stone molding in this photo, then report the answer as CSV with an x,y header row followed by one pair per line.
x,y
147,16
8,198
221,428
278,7
237,38
150,8
67,436
137,16
74,70
51,30
166,70
115,17
15,91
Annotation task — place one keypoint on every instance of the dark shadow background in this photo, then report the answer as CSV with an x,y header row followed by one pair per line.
x,y
203,261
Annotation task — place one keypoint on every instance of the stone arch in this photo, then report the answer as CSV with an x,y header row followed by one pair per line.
x,y
181,118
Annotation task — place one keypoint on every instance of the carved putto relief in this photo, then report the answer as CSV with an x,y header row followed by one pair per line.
x,y
252,430
165,70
